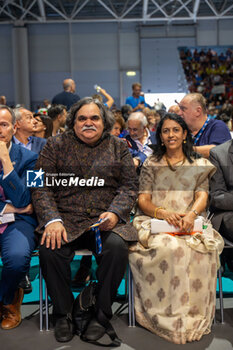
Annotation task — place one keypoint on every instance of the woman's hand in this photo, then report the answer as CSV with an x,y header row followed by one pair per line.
x,y
187,222
171,217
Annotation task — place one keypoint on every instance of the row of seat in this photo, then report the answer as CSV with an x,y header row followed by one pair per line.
x,y
44,303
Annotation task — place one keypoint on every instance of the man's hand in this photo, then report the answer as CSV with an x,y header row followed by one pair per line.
x,y
26,210
140,106
109,224
136,162
53,234
5,158
9,208
3,151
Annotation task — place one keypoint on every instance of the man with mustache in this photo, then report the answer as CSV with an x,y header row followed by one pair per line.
x,y
65,213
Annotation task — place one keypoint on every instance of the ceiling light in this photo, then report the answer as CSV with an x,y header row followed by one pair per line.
x,y
131,73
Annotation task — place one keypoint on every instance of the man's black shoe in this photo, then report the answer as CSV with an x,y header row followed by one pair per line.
x,y
26,285
64,329
94,331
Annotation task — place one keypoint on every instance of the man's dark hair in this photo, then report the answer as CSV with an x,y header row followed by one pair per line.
x,y
160,149
126,110
55,110
10,110
107,116
224,117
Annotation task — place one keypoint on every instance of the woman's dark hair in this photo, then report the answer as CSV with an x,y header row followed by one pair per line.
x,y
160,150
107,116
48,123
119,119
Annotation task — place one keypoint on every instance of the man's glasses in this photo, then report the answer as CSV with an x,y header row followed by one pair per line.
x,y
180,106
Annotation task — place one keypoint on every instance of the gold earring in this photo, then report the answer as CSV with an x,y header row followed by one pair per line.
x,y
184,141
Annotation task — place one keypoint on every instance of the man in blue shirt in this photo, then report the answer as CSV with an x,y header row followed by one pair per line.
x,y
136,101
207,132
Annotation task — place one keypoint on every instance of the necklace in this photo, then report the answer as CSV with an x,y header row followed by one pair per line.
x,y
170,166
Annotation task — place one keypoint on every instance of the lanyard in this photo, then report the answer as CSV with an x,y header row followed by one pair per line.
x,y
95,228
200,132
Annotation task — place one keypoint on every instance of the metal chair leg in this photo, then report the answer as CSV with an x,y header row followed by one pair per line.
x,y
131,299
220,294
43,303
41,299
46,309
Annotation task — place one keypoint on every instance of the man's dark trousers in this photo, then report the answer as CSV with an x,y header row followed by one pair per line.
x,y
111,262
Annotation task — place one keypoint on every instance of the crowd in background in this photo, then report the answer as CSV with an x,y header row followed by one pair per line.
x,y
210,72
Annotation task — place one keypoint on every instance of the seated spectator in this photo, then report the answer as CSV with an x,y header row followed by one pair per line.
x,y
25,128
126,110
139,138
17,240
119,126
58,114
172,271
225,118
152,117
221,194
207,132
66,213
44,126
174,109
3,100
83,275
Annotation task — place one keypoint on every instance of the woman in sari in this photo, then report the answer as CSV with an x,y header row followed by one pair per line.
x,y
175,275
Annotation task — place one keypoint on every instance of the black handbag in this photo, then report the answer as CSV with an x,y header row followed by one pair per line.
x,y
84,308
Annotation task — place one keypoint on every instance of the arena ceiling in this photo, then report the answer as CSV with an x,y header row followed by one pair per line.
x,y
20,12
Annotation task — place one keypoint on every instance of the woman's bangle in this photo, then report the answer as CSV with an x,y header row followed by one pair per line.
x,y
155,213
195,212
